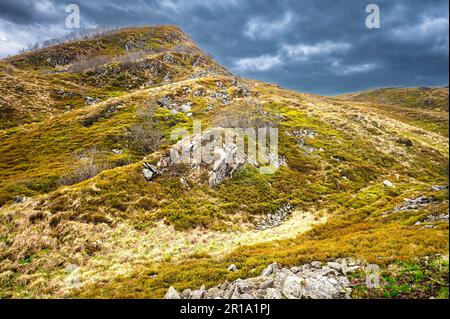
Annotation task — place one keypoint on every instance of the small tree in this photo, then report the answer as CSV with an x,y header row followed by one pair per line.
x,y
88,164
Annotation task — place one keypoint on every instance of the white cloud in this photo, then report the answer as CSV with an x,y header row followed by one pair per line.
x,y
261,63
260,28
305,52
181,6
427,27
45,7
341,69
432,29
24,34
289,53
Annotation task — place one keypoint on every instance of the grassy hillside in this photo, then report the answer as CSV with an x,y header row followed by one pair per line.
x,y
423,107
422,98
114,234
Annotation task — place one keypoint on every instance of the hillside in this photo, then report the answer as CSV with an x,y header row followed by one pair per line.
x,y
86,211
422,98
423,107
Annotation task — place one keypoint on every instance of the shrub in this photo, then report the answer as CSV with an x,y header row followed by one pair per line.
x,y
88,164
144,137
246,114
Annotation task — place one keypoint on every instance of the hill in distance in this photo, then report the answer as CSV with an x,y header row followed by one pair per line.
x,y
87,212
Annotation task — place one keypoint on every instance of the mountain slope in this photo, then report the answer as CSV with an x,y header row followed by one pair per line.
x,y
69,231
423,107
422,98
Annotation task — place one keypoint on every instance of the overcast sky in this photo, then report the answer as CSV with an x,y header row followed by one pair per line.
x,y
319,46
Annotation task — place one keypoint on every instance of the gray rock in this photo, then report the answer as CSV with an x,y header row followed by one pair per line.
x,y
319,287
280,277
232,267
186,107
335,265
438,218
413,204
293,287
270,269
243,286
198,294
272,293
91,100
275,219
225,285
19,199
186,294
296,270
214,293
439,188
316,264
150,172
388,184
117,152
269,283
172,294
166,101
199,92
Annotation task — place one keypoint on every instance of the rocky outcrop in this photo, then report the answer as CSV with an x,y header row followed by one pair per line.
x,y
225,161
275,219
414,204
309,281
300,136
438,188
222,97
432,219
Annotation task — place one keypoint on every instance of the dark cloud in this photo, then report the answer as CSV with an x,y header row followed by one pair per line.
x,y
315,46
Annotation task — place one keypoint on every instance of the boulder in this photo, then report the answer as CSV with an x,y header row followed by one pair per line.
x,y
232,268
335,265
293,287
270,269
172,294
388,184
198,294
272,293
150,172
320,287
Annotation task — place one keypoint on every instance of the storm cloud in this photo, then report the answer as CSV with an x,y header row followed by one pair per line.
x,y
318,46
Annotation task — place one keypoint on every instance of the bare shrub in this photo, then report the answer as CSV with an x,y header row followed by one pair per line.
x,y
85,63
244,114
83,34
87,164
147,110
144,137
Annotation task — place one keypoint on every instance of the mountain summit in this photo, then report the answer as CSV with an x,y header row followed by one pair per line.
x,y
94,203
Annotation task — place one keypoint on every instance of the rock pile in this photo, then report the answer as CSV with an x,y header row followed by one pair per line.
x,y
414,204
225,162
438,188
433,218
300,136
277,218
309,281
89,100
221,96
169,103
